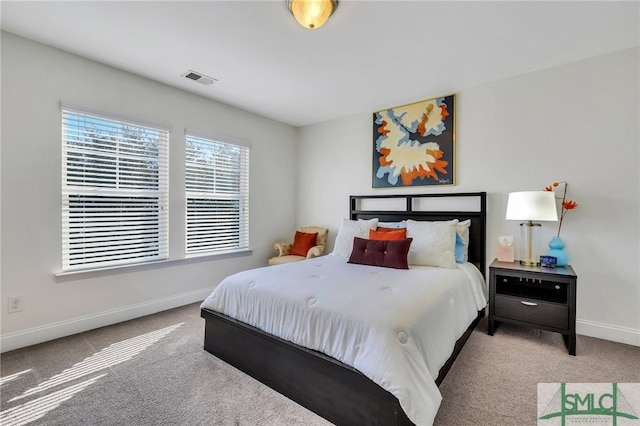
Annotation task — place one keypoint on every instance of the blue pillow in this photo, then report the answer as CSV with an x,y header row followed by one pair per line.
x,y
459,251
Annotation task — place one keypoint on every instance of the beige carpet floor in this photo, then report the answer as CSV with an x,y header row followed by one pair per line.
x,y
154,371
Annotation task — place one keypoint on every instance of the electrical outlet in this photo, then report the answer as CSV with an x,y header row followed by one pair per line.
x,y
15,304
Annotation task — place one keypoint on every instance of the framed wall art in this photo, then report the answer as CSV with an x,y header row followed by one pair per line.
x,y
414,145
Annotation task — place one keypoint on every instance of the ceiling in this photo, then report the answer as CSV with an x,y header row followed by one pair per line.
x,y
371,55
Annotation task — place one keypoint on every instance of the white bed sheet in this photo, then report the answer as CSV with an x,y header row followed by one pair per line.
x,y
397,327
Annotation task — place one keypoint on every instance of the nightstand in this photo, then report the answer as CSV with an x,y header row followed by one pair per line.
x,y
534,296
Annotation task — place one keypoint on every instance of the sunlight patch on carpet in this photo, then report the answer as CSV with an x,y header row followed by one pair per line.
x,y
7,379
110,356
37,408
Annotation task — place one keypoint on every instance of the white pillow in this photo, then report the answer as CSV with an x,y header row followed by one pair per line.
x,y
350,229
433,243
393,225
463,230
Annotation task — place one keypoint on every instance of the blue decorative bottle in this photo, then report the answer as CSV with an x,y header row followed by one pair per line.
x,y
556,249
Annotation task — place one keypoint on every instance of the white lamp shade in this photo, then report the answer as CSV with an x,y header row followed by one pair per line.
x,y
532,205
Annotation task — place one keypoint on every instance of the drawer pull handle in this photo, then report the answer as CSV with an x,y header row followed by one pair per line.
x,y
528,303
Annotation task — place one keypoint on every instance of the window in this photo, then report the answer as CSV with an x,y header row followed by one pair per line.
x,y
217,195
114,191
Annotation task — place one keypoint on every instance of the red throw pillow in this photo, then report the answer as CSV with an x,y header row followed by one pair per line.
x,y
302,243
390,254
387,234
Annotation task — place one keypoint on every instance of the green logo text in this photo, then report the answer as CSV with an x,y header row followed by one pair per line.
x,y
613,404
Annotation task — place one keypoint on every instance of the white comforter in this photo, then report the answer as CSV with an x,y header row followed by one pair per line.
x,y
397,327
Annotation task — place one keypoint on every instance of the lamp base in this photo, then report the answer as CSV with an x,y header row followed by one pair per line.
x,y
530,244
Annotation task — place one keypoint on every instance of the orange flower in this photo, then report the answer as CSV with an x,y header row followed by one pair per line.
x,y
566,204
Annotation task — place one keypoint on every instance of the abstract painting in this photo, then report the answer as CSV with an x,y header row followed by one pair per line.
x,y
414,145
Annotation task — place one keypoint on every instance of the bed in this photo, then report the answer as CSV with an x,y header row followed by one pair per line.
x,y
335,389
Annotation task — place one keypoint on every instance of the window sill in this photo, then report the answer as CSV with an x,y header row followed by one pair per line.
x,y
91,273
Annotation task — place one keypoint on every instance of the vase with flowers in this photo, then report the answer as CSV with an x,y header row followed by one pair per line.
x,y
556,245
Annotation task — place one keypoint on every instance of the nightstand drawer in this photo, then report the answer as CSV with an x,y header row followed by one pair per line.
x,y
532,311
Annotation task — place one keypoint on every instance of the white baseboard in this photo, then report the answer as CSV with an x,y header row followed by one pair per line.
x,y
625,335
21,339
32,336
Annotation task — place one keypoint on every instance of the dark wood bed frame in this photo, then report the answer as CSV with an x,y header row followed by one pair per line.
x,y
328,387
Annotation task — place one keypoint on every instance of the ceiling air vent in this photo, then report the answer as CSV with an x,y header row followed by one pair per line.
x,y
200,78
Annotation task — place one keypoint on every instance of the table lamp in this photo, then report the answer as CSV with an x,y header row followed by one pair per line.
x,y
530,206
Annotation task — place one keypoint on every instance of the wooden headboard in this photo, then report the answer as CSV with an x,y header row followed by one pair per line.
x,y
446,206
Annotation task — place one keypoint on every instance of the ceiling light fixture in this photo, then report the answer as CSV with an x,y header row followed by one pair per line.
x,y
312,14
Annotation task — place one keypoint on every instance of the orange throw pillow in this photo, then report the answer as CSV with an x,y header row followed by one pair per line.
x,y
302,243
383,229
387,234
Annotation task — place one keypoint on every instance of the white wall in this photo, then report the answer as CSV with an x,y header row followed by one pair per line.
x,y
35,78
578,123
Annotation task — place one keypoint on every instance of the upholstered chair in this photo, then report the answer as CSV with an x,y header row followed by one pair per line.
x,y
293,251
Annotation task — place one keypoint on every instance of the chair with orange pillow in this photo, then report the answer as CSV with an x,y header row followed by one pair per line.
x,y
309,242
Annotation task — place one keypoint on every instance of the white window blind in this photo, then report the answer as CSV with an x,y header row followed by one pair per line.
x,y
217,195
114,191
